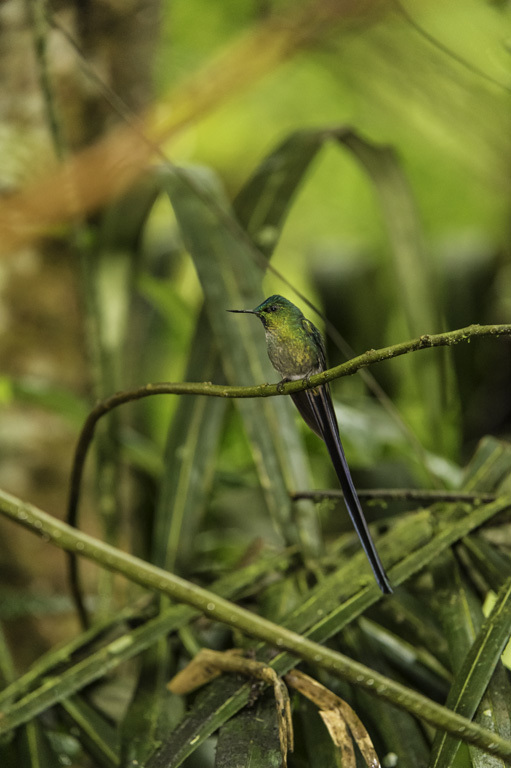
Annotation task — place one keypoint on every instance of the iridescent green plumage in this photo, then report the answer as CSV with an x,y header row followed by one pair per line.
x,y
296,350
295,346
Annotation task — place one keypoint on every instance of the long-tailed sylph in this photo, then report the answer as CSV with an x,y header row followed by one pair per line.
x,y
297,351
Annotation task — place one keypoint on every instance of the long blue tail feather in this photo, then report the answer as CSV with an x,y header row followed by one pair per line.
x,y
317,410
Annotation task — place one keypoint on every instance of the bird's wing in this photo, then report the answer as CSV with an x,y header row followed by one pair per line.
x,y
302,399
311,330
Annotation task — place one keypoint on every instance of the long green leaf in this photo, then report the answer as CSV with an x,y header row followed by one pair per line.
x,y
35,749
416,284
153,710
487,471
261,208
459,609
408,620
489,466
109,266
494,714
312,738
475,673
98,737
263,202
492,564
230,279
80,645
250,740
190,457
212,708
399,732
7,669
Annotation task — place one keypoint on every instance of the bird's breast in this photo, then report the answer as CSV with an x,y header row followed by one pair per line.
x,y
292,358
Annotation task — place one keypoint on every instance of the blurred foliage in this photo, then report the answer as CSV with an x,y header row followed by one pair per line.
x,y
362,170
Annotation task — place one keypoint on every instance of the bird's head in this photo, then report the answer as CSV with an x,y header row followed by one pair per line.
x,y
275,313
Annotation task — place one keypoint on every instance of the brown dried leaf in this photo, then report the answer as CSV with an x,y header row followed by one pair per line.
x,y
333,710
201,670
340,735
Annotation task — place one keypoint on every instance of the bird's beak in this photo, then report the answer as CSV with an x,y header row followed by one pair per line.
x,y
245,311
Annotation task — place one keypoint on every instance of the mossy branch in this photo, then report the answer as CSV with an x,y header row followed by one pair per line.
x,y
216,607
372,356
418,495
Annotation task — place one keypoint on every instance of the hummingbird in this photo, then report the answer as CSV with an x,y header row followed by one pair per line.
x,y
297,351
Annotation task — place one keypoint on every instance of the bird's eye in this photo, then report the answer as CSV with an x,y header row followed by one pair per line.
x,y
273,308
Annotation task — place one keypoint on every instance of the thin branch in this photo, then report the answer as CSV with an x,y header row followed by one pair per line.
x,y
449,338
372,356
216,607
401,494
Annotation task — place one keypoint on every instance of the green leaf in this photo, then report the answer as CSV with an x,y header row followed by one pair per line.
x,y
494,714
489,562
475,673
458,608
415,286
212,708
190,459
398,731
312,738
489,467
153,711
461,614
412,266
97,736
408,618
230,279
81,645
251,740
7,668
262,204
34,748
109,265
416,665
261,208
